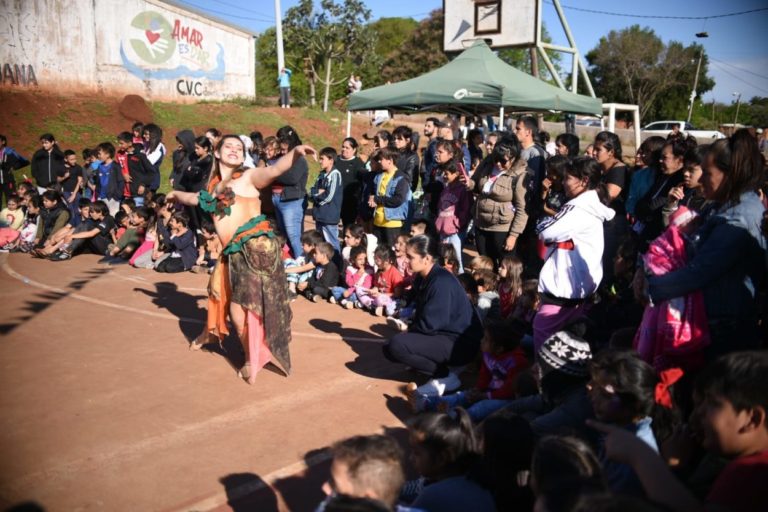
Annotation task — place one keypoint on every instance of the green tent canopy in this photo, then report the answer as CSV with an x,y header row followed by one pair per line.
x,y
475,82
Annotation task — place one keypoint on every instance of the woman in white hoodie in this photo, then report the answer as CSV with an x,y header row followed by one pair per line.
x,y
572,268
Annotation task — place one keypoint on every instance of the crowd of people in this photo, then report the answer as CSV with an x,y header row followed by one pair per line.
x,y
611,325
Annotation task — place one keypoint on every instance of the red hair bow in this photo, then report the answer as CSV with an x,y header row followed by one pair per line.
x,y
668,378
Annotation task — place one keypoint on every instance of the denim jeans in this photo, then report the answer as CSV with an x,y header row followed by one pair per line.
x,y
338,294
455,241
290,221
331,235
477,411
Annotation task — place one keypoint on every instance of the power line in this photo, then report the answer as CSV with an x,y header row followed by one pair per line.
x,y
230,15
740,69
649,16
725,70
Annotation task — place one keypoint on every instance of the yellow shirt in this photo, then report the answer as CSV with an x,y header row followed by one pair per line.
x,y
379,219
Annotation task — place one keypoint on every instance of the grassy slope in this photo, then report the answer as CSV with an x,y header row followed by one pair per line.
x,y
84,122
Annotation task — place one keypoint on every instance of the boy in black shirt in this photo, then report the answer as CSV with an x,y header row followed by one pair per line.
x,y
93,235
325,274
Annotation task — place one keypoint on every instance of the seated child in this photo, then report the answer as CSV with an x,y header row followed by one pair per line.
x,y
621,389
122,222
488,302
299,270
357,274
402,261
93,235
324,276
53,216
355,235
210,249
380,298
12,215
732,396
449,258
481,263
366,466
133,236
28,231
510,283
181,246
150,253
443,451
57,241
502,362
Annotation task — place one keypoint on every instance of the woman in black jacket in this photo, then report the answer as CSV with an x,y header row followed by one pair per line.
x,y
289,192
445,331
47,162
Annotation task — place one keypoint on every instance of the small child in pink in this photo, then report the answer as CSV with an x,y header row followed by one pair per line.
x,y
381,297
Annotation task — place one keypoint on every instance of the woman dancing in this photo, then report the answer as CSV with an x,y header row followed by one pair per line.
x,y
248,282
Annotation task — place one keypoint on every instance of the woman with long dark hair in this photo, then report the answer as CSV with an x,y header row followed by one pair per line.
x,y
615,182
727,253
445,331
289,192
155,151
352,171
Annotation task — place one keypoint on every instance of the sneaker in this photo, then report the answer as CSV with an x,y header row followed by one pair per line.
x,y
438,387
397,324
379,311
332,299
60,256
358,304
199,269
347,304
316,298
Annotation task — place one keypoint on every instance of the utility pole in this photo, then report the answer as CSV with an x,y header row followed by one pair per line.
x,y
279,37
736,117
695,84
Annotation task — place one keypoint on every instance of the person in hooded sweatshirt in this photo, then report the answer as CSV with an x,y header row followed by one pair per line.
x,y
47,162
183,157
572,268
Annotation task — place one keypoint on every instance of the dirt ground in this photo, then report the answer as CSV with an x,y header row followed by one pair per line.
x,y
104,408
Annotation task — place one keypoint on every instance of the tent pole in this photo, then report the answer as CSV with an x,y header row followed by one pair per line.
x,y
501,119
349,123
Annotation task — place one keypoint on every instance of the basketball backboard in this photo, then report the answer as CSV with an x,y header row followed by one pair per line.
x,y
502,23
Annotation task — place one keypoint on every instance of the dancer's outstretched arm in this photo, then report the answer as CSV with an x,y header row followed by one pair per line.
x,y
186,198
264,176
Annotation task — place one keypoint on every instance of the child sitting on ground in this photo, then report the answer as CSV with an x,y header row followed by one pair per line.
x,y
488,302
122,223
380,298
732,395
502,362
355,235
621,389
28,231
299,270
133,236
357,274
325,274
210,249
366,466
444,450
510,283
181,246
12,215
449,258
481,263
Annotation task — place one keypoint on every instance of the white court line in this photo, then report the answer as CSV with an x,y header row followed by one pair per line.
x,y
8,270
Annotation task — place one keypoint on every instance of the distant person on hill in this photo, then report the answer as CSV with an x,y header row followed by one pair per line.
x,y
284,81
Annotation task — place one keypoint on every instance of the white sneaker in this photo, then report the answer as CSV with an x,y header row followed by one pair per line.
x,y
396,323
438,387
332,299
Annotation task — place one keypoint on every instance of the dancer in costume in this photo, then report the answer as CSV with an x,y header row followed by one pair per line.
x,y
248,283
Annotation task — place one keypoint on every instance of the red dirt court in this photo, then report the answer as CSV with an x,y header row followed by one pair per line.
x,y
103,407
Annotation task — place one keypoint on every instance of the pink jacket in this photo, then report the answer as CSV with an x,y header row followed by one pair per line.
x,y
453,209
352,279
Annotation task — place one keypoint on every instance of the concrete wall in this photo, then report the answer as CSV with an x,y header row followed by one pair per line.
x,y
146,47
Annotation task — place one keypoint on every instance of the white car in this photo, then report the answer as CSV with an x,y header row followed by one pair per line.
x,y
664,128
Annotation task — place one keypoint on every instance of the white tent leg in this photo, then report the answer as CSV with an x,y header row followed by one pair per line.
x,y
349,123
500,127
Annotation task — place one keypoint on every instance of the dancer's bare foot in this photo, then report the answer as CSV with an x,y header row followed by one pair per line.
x,y
197,343
245,373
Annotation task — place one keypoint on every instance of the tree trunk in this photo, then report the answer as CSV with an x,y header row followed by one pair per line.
x,y
312,80
327,84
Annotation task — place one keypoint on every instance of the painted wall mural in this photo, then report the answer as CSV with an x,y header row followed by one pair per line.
x,y
161,50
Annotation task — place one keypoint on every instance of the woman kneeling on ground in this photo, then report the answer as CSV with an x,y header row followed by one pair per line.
x,y
445,331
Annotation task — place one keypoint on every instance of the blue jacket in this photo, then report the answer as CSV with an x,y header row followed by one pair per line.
x,y
395,200
726,259
327,208
442,307
115,182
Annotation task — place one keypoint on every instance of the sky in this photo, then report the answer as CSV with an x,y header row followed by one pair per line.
x,y
738,59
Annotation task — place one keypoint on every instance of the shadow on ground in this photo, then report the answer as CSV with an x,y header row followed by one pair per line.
x,y
47,298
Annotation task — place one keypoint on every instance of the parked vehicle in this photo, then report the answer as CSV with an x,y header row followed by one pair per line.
x,y
663,128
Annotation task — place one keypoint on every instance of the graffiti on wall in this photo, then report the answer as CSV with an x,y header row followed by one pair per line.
x,y
18,74
166,51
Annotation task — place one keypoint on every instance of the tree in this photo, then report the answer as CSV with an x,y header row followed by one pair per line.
x,y
423,51
332,33
634,66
